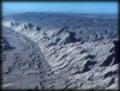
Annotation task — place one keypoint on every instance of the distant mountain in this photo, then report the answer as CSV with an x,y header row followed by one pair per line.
x,y
95,25
71,51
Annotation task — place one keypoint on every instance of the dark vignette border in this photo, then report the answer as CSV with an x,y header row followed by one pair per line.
x,y
117,43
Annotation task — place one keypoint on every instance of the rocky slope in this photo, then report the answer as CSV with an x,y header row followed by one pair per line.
x,y
60,51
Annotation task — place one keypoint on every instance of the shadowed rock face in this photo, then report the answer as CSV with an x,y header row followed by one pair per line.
x,y
60,51
6,45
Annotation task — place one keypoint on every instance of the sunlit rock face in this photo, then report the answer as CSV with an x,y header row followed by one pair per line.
x,y
59,51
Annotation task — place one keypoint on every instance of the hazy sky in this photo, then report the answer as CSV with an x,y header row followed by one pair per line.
x,y
64,7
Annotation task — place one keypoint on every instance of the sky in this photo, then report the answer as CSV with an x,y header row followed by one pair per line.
x,y
62,7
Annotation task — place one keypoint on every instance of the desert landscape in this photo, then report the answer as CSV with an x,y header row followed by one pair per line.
x,y
59,51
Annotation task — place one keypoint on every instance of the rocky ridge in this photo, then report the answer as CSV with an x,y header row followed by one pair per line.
x,y
74,58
